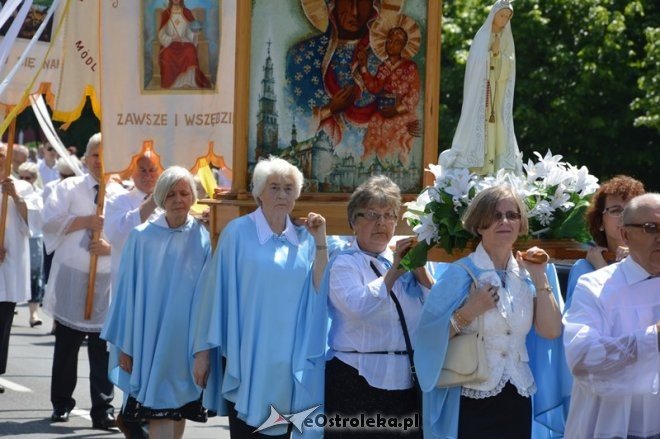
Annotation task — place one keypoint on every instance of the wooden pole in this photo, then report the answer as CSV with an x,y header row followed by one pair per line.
x,y
239,184
93,260
8,160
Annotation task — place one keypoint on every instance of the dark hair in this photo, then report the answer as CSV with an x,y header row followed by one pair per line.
x,y
621,186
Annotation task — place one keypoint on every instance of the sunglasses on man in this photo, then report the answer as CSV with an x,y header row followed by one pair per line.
x,y
650,228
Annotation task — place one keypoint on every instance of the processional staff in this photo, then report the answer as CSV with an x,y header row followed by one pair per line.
x,y
8,160
96,235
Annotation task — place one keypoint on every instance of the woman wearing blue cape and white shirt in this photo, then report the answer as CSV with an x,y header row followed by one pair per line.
x,y
153,308
263,278
485,140
512,295
368,368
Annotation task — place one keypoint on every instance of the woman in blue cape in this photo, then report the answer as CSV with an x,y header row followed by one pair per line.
x,y
263,280
154,305
511,296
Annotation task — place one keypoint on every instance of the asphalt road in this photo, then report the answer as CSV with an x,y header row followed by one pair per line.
x,y
25,406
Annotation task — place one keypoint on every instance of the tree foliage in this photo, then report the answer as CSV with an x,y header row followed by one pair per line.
x,y
587,80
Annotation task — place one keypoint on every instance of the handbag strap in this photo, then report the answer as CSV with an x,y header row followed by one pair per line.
x,y
480,320
404,326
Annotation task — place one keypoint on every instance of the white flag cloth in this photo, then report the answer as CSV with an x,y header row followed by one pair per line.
x,y
25,51
167,77
41,113
81,61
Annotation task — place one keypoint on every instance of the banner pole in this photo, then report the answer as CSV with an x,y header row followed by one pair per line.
x,y
8,160
89,299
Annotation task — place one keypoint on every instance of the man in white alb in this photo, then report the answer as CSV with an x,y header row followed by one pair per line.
x,y
611,335
69,218
128,210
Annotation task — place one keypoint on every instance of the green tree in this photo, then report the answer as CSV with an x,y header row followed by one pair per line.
x,y
586,80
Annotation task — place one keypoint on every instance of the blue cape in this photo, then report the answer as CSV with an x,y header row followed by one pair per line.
x,y
262,304
152,312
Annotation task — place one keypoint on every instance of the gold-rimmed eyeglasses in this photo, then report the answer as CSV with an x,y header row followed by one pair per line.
x,y
615,211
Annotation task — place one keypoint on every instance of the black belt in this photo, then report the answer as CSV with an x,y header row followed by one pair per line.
x,y
376,352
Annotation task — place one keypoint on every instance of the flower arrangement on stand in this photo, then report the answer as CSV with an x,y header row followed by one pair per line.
x,y
556,194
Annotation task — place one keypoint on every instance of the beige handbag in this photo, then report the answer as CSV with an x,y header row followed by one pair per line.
x,y
465,360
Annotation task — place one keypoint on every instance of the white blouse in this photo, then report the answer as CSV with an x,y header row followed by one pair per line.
x,y
505,329
612,350
365,319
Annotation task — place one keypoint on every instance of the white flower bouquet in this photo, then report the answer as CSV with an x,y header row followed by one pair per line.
x,y
556,195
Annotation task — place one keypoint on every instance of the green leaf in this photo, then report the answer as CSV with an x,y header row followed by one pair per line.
x,y
573,226
416,257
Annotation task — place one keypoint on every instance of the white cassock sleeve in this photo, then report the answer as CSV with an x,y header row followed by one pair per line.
x,y
610,364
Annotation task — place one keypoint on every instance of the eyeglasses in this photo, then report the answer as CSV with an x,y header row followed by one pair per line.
x,y
372,216
615,210
650,228
26,177
509,215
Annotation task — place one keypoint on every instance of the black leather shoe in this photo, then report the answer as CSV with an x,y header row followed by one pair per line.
x,y
2,388
108,422
59,416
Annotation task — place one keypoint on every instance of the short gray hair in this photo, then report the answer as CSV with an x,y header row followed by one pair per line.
x,y
64,167
274,166
93,142
480,214
169,178
30,167
640,202
377,190
21,149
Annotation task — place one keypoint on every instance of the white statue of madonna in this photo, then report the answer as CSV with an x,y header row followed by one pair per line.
x,y
485,140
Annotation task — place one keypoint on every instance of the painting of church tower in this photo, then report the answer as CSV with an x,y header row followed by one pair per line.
x,y
267,127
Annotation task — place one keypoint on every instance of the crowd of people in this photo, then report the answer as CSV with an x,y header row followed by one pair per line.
x,y
268,321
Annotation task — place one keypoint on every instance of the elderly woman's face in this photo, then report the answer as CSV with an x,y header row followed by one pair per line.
x,y
505,229
279,195
179,199
374,227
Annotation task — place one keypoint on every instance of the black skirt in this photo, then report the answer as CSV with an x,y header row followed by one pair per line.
x,y
349,396
194,411
507,415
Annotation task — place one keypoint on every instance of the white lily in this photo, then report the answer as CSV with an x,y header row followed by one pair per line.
x,y
554,177
543,212
585,183
549,161
460,183
560,200
436,170
426,230
419,204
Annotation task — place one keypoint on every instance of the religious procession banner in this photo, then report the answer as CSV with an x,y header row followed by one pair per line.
x,y
26,33
80,60
167,79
